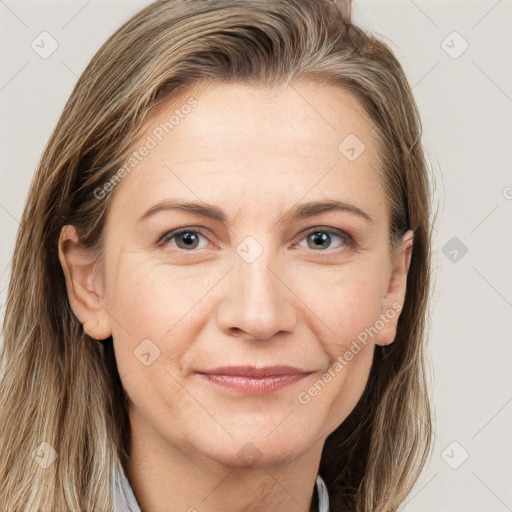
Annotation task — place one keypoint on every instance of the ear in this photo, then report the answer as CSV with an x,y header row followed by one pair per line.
x,y
394,297
84,285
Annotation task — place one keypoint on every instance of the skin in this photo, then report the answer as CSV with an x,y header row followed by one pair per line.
x,y
255,153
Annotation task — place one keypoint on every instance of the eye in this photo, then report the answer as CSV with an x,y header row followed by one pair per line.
x,y
320,238
187,239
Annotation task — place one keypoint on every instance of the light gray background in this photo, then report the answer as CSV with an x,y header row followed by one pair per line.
x,y
466,104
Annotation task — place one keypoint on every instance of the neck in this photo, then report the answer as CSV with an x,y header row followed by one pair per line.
x,y
174,477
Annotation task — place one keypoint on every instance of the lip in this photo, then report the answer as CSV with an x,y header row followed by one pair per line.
x,y
249,380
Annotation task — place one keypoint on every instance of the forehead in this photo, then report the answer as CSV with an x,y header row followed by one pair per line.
x,y
304,114
238,142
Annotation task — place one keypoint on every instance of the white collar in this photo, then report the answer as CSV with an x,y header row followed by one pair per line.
x,y
125,499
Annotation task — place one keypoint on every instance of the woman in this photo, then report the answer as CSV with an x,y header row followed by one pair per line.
x,y
220,281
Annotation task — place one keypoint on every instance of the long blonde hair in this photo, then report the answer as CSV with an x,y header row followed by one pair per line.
x,y
60,392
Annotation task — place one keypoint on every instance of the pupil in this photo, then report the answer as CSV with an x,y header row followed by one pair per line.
x,y
320,238
188,238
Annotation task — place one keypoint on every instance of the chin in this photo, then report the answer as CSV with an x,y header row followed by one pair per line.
x,y
256,451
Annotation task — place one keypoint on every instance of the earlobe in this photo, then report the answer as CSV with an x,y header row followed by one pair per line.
x,y
394,297
84,285
98,326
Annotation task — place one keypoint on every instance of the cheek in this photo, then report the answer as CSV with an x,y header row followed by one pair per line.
x,y
350,313
147,297
351,371
349,307
147,300
141,308
347,300
148,305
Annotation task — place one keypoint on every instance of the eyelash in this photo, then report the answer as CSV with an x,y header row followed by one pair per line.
x,y
345,237
348,241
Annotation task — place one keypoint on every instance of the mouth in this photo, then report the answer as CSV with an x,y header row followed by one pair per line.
x,y
249,380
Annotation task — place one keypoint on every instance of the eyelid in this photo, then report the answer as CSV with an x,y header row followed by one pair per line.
x,y
348,239
168,235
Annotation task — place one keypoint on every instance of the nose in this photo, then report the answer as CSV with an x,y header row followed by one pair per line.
x,y
258,299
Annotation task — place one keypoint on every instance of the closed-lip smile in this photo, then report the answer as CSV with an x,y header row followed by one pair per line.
x,y
251,380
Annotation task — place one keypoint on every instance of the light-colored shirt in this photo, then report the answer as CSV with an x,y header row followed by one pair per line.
x,y
125,499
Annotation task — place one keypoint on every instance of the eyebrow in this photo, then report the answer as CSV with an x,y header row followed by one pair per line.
x,y
301,211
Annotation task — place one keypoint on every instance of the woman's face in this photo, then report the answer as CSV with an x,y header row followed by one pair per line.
x,y
253,271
